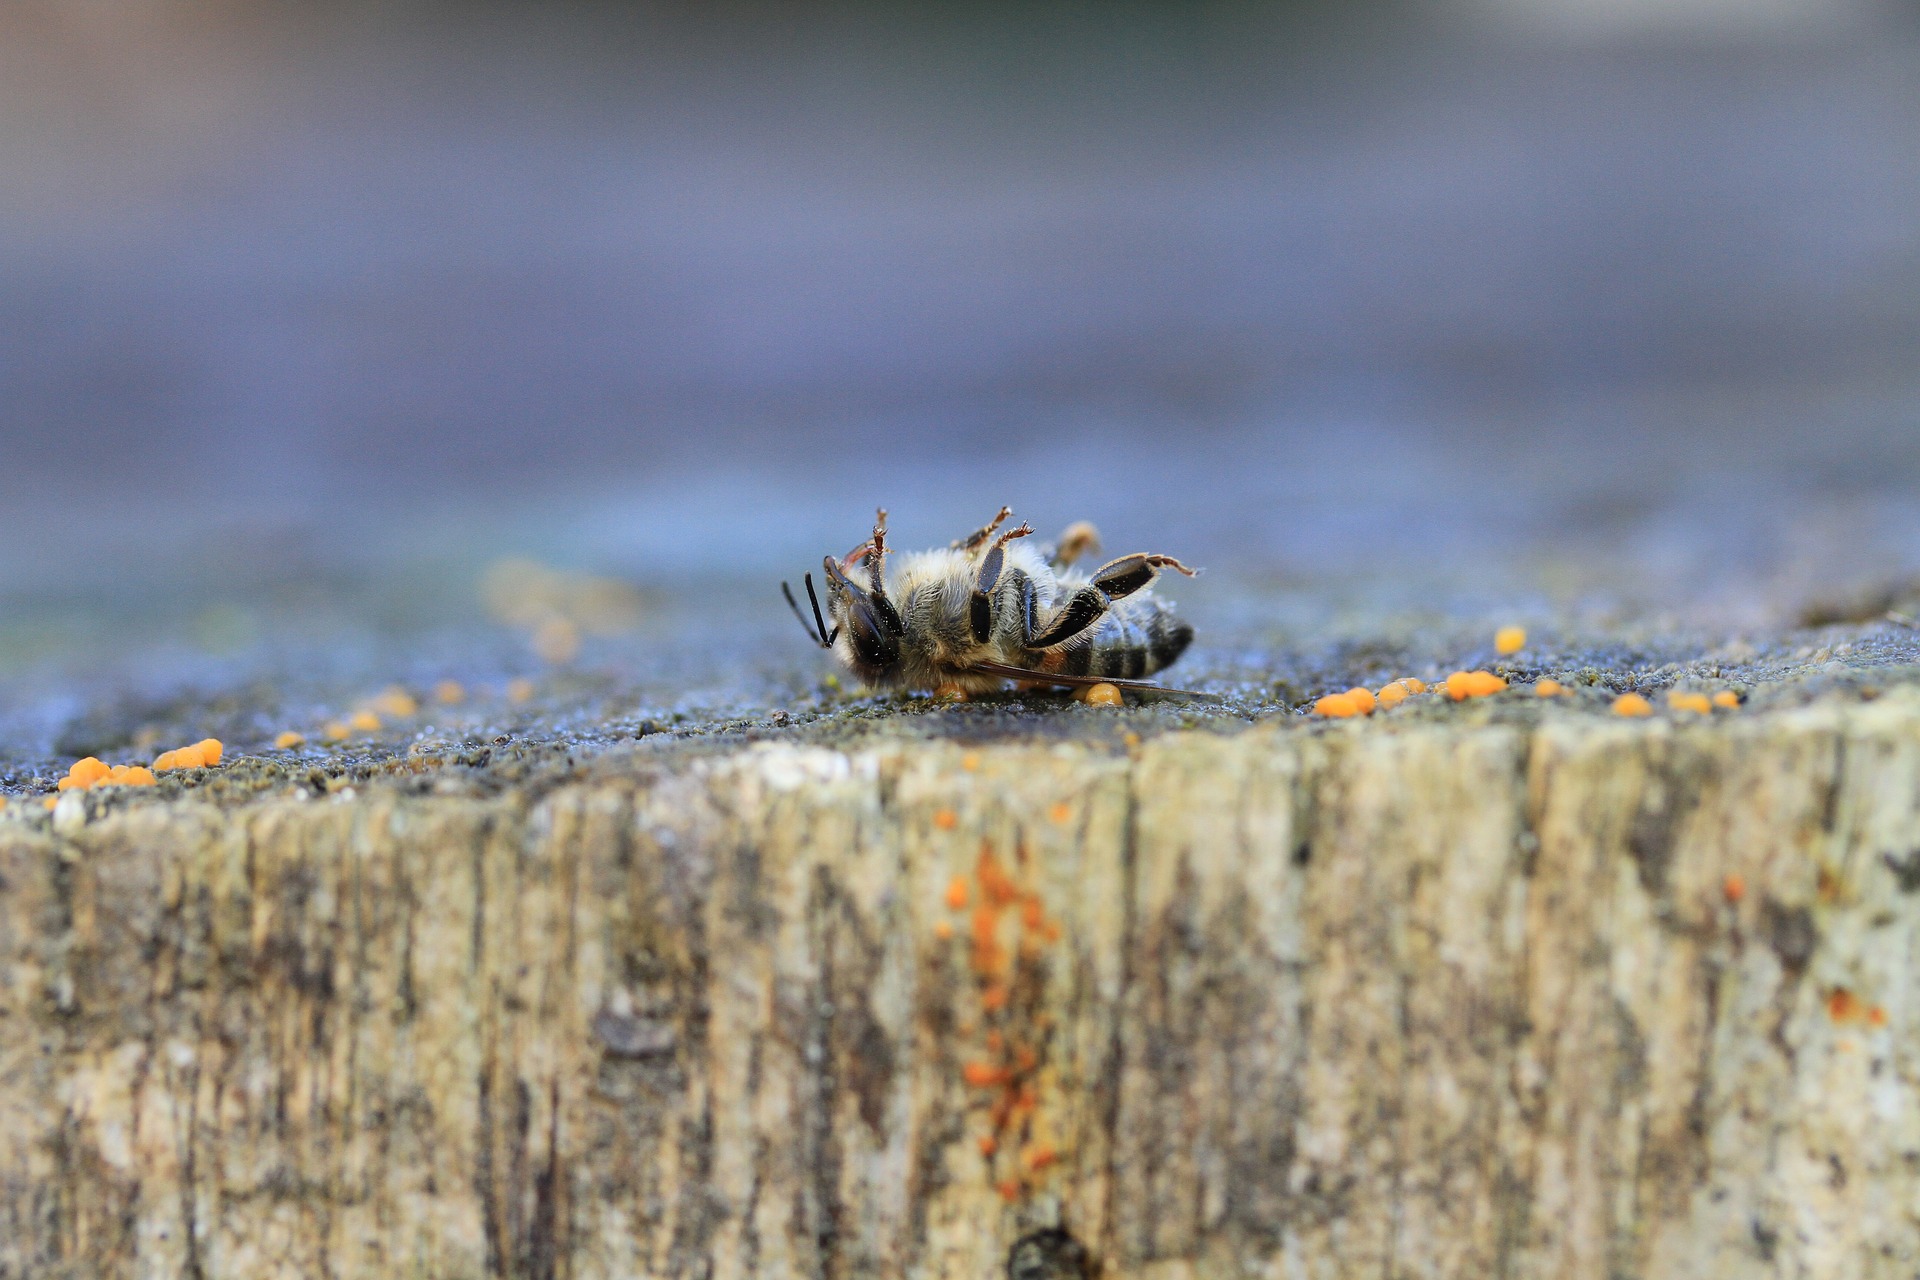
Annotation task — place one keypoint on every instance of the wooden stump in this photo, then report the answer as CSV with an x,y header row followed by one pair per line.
x,y
1578,998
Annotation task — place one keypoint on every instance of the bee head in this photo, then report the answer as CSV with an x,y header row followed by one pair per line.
x,y
869,622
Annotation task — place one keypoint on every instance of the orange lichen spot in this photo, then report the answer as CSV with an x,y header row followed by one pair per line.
x,y
396,702
336,731
1548,688
1103,695
139,775
988,1145
1473,684
1363,699
995,1042
1025,1059
1726,699
1010,1190
983,1075
1337,705
994,881
68,784
1681,700
1632,704
1393,695
1061,813
1509,640
1025,1101
211,749
166,760
1876,1016
1414,684
87,771
1734,887
987,960
519,689
949,693
1038,1157
190,757
449,692
288,740
1051,931
1844,1006
942,930
957,893
970,762
1033,917
945,819
49,802
364,722
994,998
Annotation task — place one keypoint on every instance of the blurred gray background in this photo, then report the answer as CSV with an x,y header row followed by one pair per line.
x,y
314,310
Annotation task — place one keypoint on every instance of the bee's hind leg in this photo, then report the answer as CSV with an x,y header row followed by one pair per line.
x,y
1115,580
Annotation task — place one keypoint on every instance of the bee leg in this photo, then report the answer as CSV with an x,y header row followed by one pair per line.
x,y
1078,539
1081,612
877,553
1120,578
984,532
980,607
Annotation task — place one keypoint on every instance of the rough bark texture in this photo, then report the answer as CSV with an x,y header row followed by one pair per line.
x,y
1587,998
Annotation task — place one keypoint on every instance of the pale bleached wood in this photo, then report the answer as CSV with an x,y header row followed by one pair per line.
x,y
1358,1000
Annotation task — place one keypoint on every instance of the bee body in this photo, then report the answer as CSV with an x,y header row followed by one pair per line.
x,y
985,610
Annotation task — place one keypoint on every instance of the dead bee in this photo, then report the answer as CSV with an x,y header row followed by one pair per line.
x,y
991,608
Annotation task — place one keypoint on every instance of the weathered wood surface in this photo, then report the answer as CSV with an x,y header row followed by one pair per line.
x,y
1362,1000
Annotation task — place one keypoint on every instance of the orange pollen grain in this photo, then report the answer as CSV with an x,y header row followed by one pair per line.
x,y
1363,699
1393,695
1695,702
1548,688
288,740
1414,684
1104,695
983,1075
87,770
365,722
957,893
1726,699
1632,704
1337,705
1734,887
1481,684
1508,640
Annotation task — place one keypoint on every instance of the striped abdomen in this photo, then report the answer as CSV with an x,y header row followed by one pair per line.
x,y
1134,641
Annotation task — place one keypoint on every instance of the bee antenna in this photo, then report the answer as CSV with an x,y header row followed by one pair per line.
x,y
794,605
826,637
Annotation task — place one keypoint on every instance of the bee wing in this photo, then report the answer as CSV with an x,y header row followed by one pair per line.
x,y
1083,682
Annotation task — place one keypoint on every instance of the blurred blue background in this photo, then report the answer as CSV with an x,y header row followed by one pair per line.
x,y
1585,295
